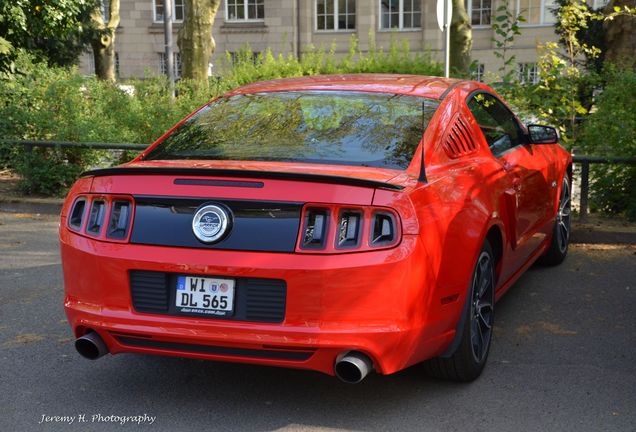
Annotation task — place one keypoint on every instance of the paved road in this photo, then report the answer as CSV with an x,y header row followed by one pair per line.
x,y
564,359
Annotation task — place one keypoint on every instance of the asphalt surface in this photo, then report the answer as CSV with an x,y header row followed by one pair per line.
x,y
563,359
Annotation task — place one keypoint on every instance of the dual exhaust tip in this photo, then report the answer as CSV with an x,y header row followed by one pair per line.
x,y
91,346
351,367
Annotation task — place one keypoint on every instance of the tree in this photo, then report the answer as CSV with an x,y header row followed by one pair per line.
x,y
196,43
461,39
54,30
506,29
105,19
620,36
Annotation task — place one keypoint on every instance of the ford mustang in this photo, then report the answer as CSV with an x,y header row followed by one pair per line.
x,y
343,224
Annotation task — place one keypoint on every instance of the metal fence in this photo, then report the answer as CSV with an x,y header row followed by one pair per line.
x,y
584,161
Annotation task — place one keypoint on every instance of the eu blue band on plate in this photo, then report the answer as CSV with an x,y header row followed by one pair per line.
x,y
181,283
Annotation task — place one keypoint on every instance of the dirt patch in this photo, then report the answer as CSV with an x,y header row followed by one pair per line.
x,y
23,339
527,330
605,247
554,329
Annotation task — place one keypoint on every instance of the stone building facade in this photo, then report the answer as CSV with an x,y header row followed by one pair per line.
x,y
288,26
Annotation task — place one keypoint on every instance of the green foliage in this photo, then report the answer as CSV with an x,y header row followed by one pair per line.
x,y
563,95
52,171
506,28
573,19
581,26
55,30
59,104
243,67
611,131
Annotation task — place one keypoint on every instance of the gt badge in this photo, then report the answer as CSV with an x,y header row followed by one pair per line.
x,y
210,223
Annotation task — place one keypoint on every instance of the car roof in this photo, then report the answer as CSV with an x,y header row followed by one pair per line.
x,y
412,85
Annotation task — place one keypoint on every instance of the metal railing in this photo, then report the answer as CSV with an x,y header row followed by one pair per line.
x,y
29,144
584,161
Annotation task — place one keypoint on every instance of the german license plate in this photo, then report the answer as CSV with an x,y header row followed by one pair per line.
x,y
201,295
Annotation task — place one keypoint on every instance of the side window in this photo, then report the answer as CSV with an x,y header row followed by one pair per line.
x,y
496,122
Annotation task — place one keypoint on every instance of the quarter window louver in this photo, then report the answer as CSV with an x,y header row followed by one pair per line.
x,y
459,141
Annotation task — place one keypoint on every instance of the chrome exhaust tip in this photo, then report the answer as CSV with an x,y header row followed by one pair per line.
x,y
353,366
91,346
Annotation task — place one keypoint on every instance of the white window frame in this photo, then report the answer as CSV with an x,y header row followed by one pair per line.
x,y
469,10
174,14
245,8
335,17
400,26
524,76
596,4
91,61
478,73
176,64
541,22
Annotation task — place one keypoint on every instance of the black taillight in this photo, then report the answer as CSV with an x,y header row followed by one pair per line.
x,y
382,229
119,220
315,229
96,217
77,214
349,224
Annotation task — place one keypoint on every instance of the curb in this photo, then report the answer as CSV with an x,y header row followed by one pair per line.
x,y
585,235
30,205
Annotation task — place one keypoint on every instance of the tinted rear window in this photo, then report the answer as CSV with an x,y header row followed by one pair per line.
x,y
350,128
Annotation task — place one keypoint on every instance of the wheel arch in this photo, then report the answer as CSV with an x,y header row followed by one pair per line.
x,y
494,234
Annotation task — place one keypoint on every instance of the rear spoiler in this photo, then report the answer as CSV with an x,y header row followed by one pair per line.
x,y
220,172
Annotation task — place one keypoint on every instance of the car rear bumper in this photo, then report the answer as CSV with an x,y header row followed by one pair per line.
x,y
379,303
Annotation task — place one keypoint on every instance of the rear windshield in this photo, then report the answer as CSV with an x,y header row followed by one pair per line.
x,y
349,128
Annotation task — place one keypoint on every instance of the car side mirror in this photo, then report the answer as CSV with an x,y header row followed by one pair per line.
x,y
540,134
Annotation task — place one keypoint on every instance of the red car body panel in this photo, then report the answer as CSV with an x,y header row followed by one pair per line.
x,y
399,305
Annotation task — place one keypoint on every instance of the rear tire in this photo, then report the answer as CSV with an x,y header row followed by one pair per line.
x,y
558,249
468,361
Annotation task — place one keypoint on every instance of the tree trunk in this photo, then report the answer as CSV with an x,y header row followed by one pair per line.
x,y
195,42
620,36
104,41
461,40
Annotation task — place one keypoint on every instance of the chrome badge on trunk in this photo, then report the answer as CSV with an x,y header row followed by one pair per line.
x,y
210,223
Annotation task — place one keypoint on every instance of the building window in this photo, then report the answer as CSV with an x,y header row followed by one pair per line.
x,y
244,10
537,12
479,12
335,15
176,64
178,10
477,73
117,64
599,4
243,57
400,14
90,62
528,73
104,6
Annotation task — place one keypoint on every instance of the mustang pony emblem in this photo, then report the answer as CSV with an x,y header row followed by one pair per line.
x,y
210,223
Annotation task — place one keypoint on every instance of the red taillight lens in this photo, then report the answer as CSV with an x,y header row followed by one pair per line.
x,y
349,232
77,214
315,229
383,229
96,217
341,229
119,220
107,217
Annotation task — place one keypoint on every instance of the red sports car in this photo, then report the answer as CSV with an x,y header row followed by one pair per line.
x,y
343,223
